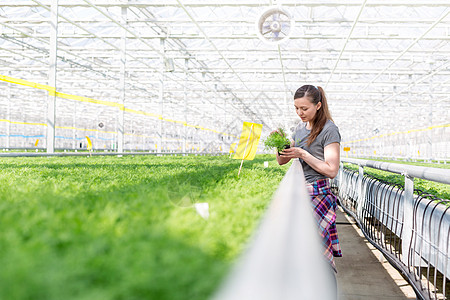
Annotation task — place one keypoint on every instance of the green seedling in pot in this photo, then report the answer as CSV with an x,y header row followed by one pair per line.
x,y
277,139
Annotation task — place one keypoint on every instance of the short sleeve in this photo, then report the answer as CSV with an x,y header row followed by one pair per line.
x,y
331,135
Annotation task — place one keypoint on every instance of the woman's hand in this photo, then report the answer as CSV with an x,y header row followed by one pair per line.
x,y
281,159
277,131
294,152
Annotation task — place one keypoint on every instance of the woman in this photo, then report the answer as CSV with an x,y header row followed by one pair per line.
x,y
316,145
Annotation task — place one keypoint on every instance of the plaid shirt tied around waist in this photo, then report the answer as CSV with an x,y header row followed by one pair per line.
x,y
324,204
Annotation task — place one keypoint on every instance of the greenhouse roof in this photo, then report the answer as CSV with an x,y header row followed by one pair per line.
x,y
384,64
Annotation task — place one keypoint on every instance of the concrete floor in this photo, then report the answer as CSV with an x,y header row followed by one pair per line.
x,y
363,273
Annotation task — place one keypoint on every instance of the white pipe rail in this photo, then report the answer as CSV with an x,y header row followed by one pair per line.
x,y
433,174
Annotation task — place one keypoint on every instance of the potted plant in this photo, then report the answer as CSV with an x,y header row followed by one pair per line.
x,y
277,139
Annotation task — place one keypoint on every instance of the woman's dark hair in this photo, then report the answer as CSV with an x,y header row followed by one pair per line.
x,y
315,95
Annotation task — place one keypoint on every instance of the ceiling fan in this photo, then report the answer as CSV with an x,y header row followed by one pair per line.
x,y
274,25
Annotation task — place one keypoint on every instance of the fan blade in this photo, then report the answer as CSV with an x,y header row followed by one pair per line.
x,y
285,26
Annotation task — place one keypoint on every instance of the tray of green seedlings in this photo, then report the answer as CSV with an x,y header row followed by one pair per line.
x,y
437,189
126,227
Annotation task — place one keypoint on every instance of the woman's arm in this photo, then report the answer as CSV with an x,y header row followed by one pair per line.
x,y
329,167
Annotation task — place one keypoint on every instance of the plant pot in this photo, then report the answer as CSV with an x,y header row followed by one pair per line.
x,y
287,146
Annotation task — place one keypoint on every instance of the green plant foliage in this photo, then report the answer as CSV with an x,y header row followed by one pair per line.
x,y
126,228
437,189
276,140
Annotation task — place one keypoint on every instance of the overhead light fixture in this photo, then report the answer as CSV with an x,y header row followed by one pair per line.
x,y
274,25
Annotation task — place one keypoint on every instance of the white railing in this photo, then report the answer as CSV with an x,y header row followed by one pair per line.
x,y
412,230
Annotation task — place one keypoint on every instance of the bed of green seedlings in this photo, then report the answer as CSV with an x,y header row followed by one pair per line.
x,y
437,189
126,227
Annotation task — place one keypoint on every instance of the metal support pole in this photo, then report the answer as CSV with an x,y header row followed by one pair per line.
x,y
161,99
74,125
8,124
121,116
430,116
408,213
446,148
200,133
51,97
360,191
147,134
185,132
286,105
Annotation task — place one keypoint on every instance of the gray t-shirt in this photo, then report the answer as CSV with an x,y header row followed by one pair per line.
x,y
329,134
